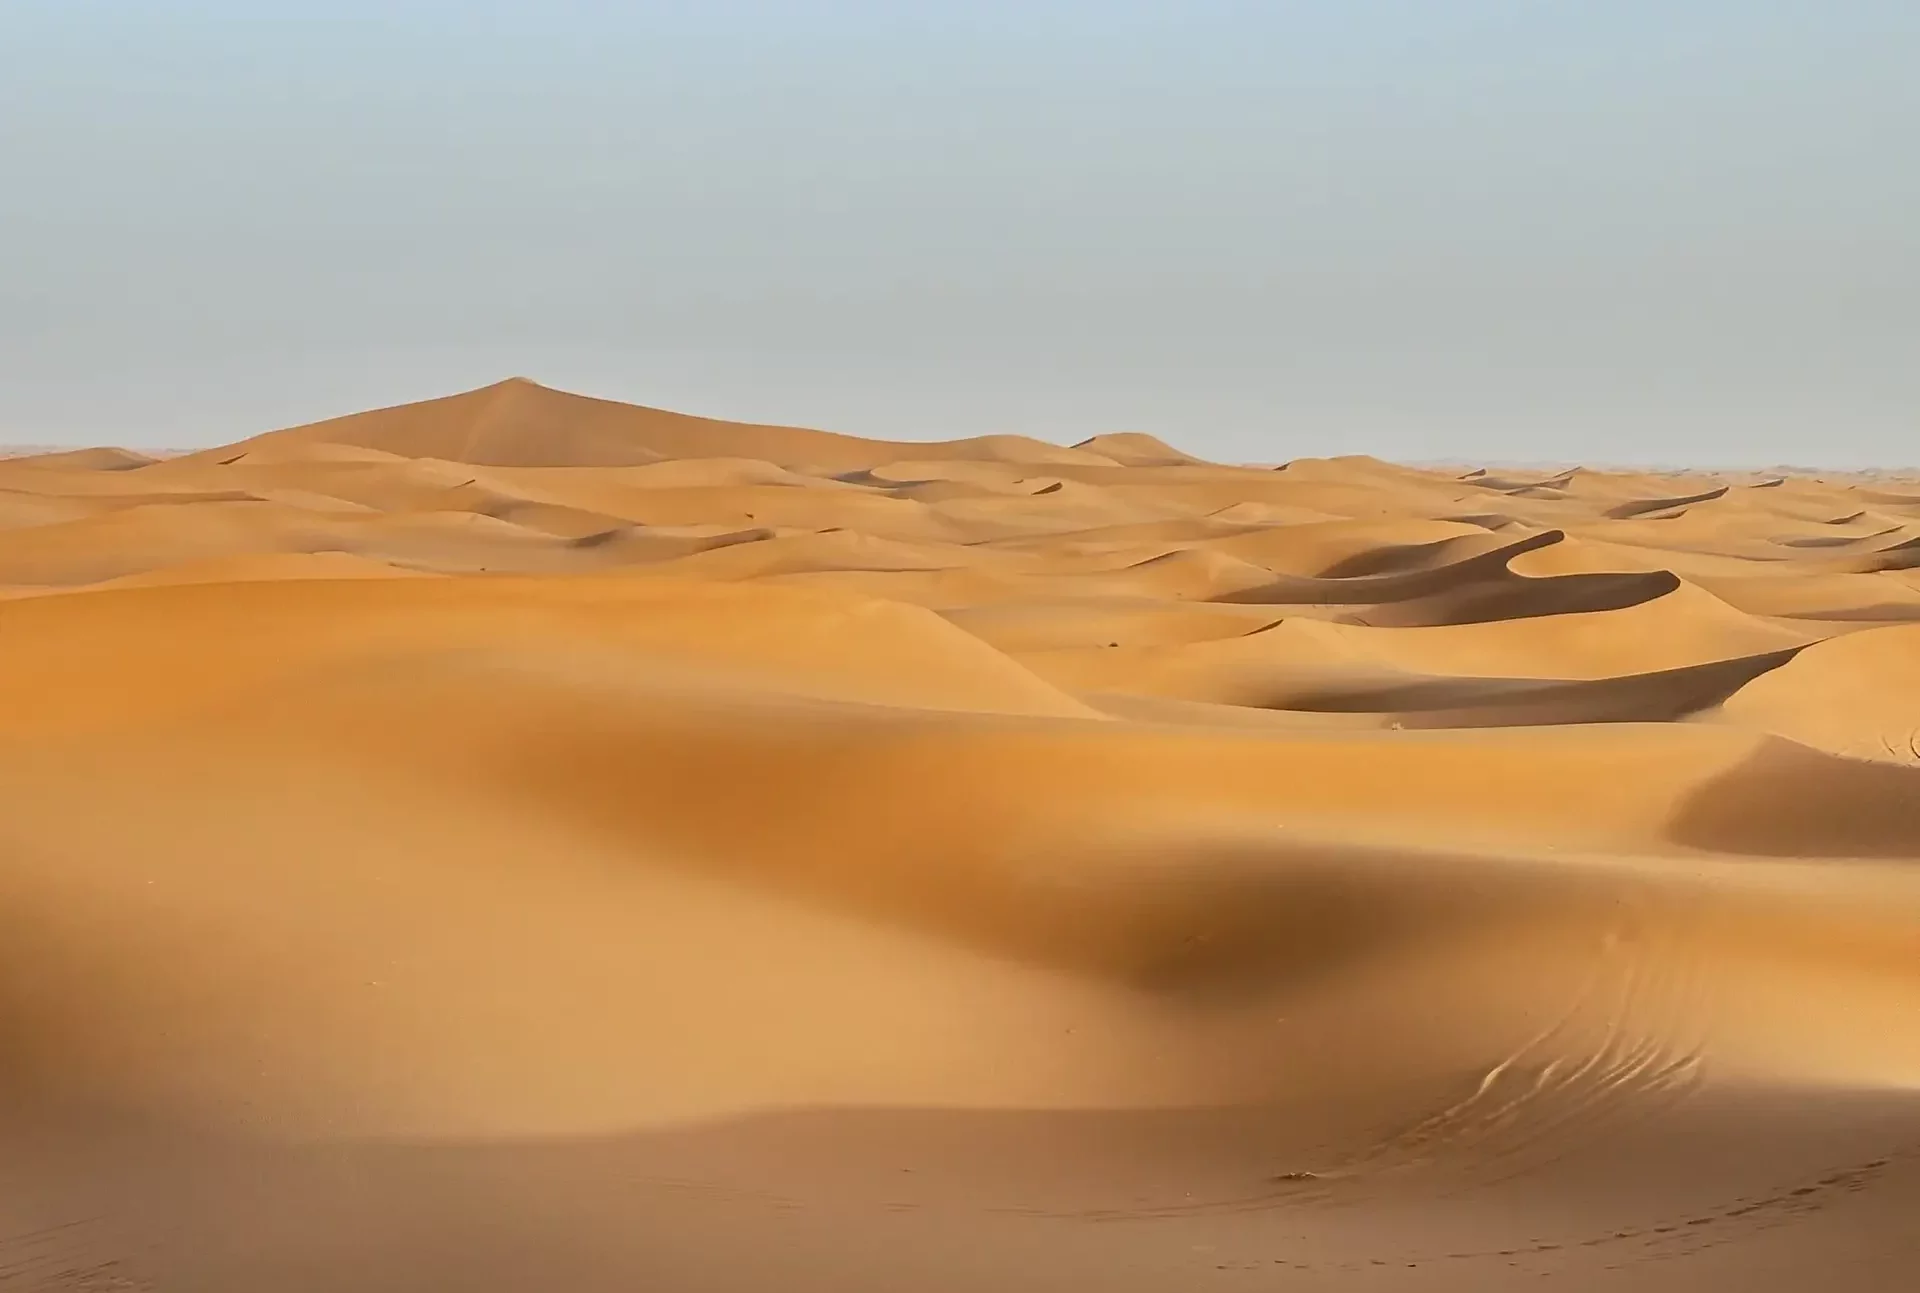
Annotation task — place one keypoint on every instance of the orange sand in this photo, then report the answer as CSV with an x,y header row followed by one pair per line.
x,y
526,842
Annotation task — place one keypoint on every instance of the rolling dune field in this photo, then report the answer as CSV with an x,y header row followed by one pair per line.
x,y
520,841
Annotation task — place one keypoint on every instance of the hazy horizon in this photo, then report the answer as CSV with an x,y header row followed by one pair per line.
x,y
1471,232
1543,465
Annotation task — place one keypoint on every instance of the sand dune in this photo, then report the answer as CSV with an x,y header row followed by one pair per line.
x,y
521,841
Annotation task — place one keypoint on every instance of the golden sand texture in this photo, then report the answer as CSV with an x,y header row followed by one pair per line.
x,y
526,842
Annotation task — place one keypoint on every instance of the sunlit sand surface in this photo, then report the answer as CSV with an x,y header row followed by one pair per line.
x,y
525,842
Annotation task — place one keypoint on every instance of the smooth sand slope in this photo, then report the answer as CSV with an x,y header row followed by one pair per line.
x,y
526,842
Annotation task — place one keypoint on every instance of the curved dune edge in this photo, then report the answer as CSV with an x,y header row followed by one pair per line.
x,y
1857,695
524,841
1198,877
202,643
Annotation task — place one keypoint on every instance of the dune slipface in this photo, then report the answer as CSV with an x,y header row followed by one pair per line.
x,y
526,842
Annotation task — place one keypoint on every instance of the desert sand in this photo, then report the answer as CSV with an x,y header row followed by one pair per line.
x,y
520,841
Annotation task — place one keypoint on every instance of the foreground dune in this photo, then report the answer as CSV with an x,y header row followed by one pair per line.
x,y
520,841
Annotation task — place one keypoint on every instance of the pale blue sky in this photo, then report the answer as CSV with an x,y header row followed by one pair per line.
x,y
1613,230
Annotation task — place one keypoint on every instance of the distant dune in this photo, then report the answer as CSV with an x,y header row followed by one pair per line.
x,y
520,841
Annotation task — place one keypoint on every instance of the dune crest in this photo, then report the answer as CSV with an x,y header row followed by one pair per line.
x,y
521,841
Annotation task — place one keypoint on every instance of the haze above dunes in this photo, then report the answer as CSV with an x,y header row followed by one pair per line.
x,y
523,841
